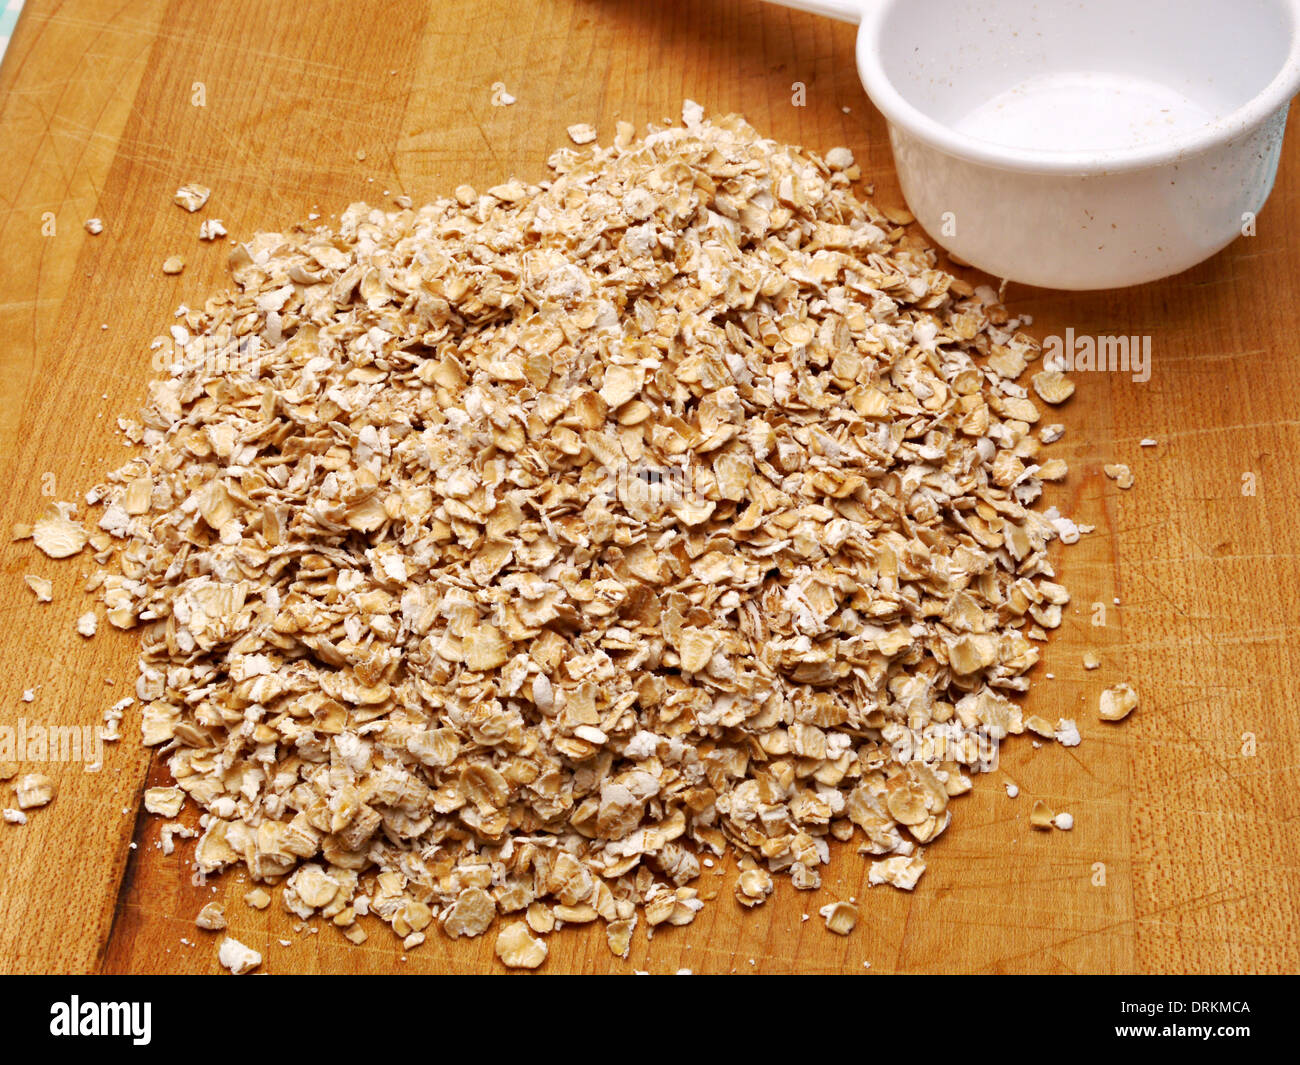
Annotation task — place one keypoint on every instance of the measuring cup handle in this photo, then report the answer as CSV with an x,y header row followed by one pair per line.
x,y
844,10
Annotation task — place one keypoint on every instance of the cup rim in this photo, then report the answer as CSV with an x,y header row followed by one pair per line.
x,y
900,112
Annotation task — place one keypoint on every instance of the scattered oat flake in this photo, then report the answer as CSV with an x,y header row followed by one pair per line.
x,y
900,871
1013,789
753,886
1148,441
42,588
1067,530
618,935
164,801
173,265
87,623
14,817
1063,821
1120,474
519,950
169,831
57,534
34,789
839,158
212,917
1090,660
1117,702
1041,726
1053,470
94,226
191,196
211,229
1053,386
236,957
1040,816
582,133
840,917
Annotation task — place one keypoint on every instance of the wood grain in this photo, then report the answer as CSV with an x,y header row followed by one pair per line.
x,y
1198,839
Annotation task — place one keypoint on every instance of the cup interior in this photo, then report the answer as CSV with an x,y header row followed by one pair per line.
x,y
1070,75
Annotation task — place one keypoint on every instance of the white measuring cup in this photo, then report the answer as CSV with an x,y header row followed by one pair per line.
x,y
1080,145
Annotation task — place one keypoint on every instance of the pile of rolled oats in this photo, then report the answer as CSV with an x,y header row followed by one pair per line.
x,y
504,559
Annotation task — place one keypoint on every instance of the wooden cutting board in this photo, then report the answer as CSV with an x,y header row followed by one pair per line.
x,y
1184,855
